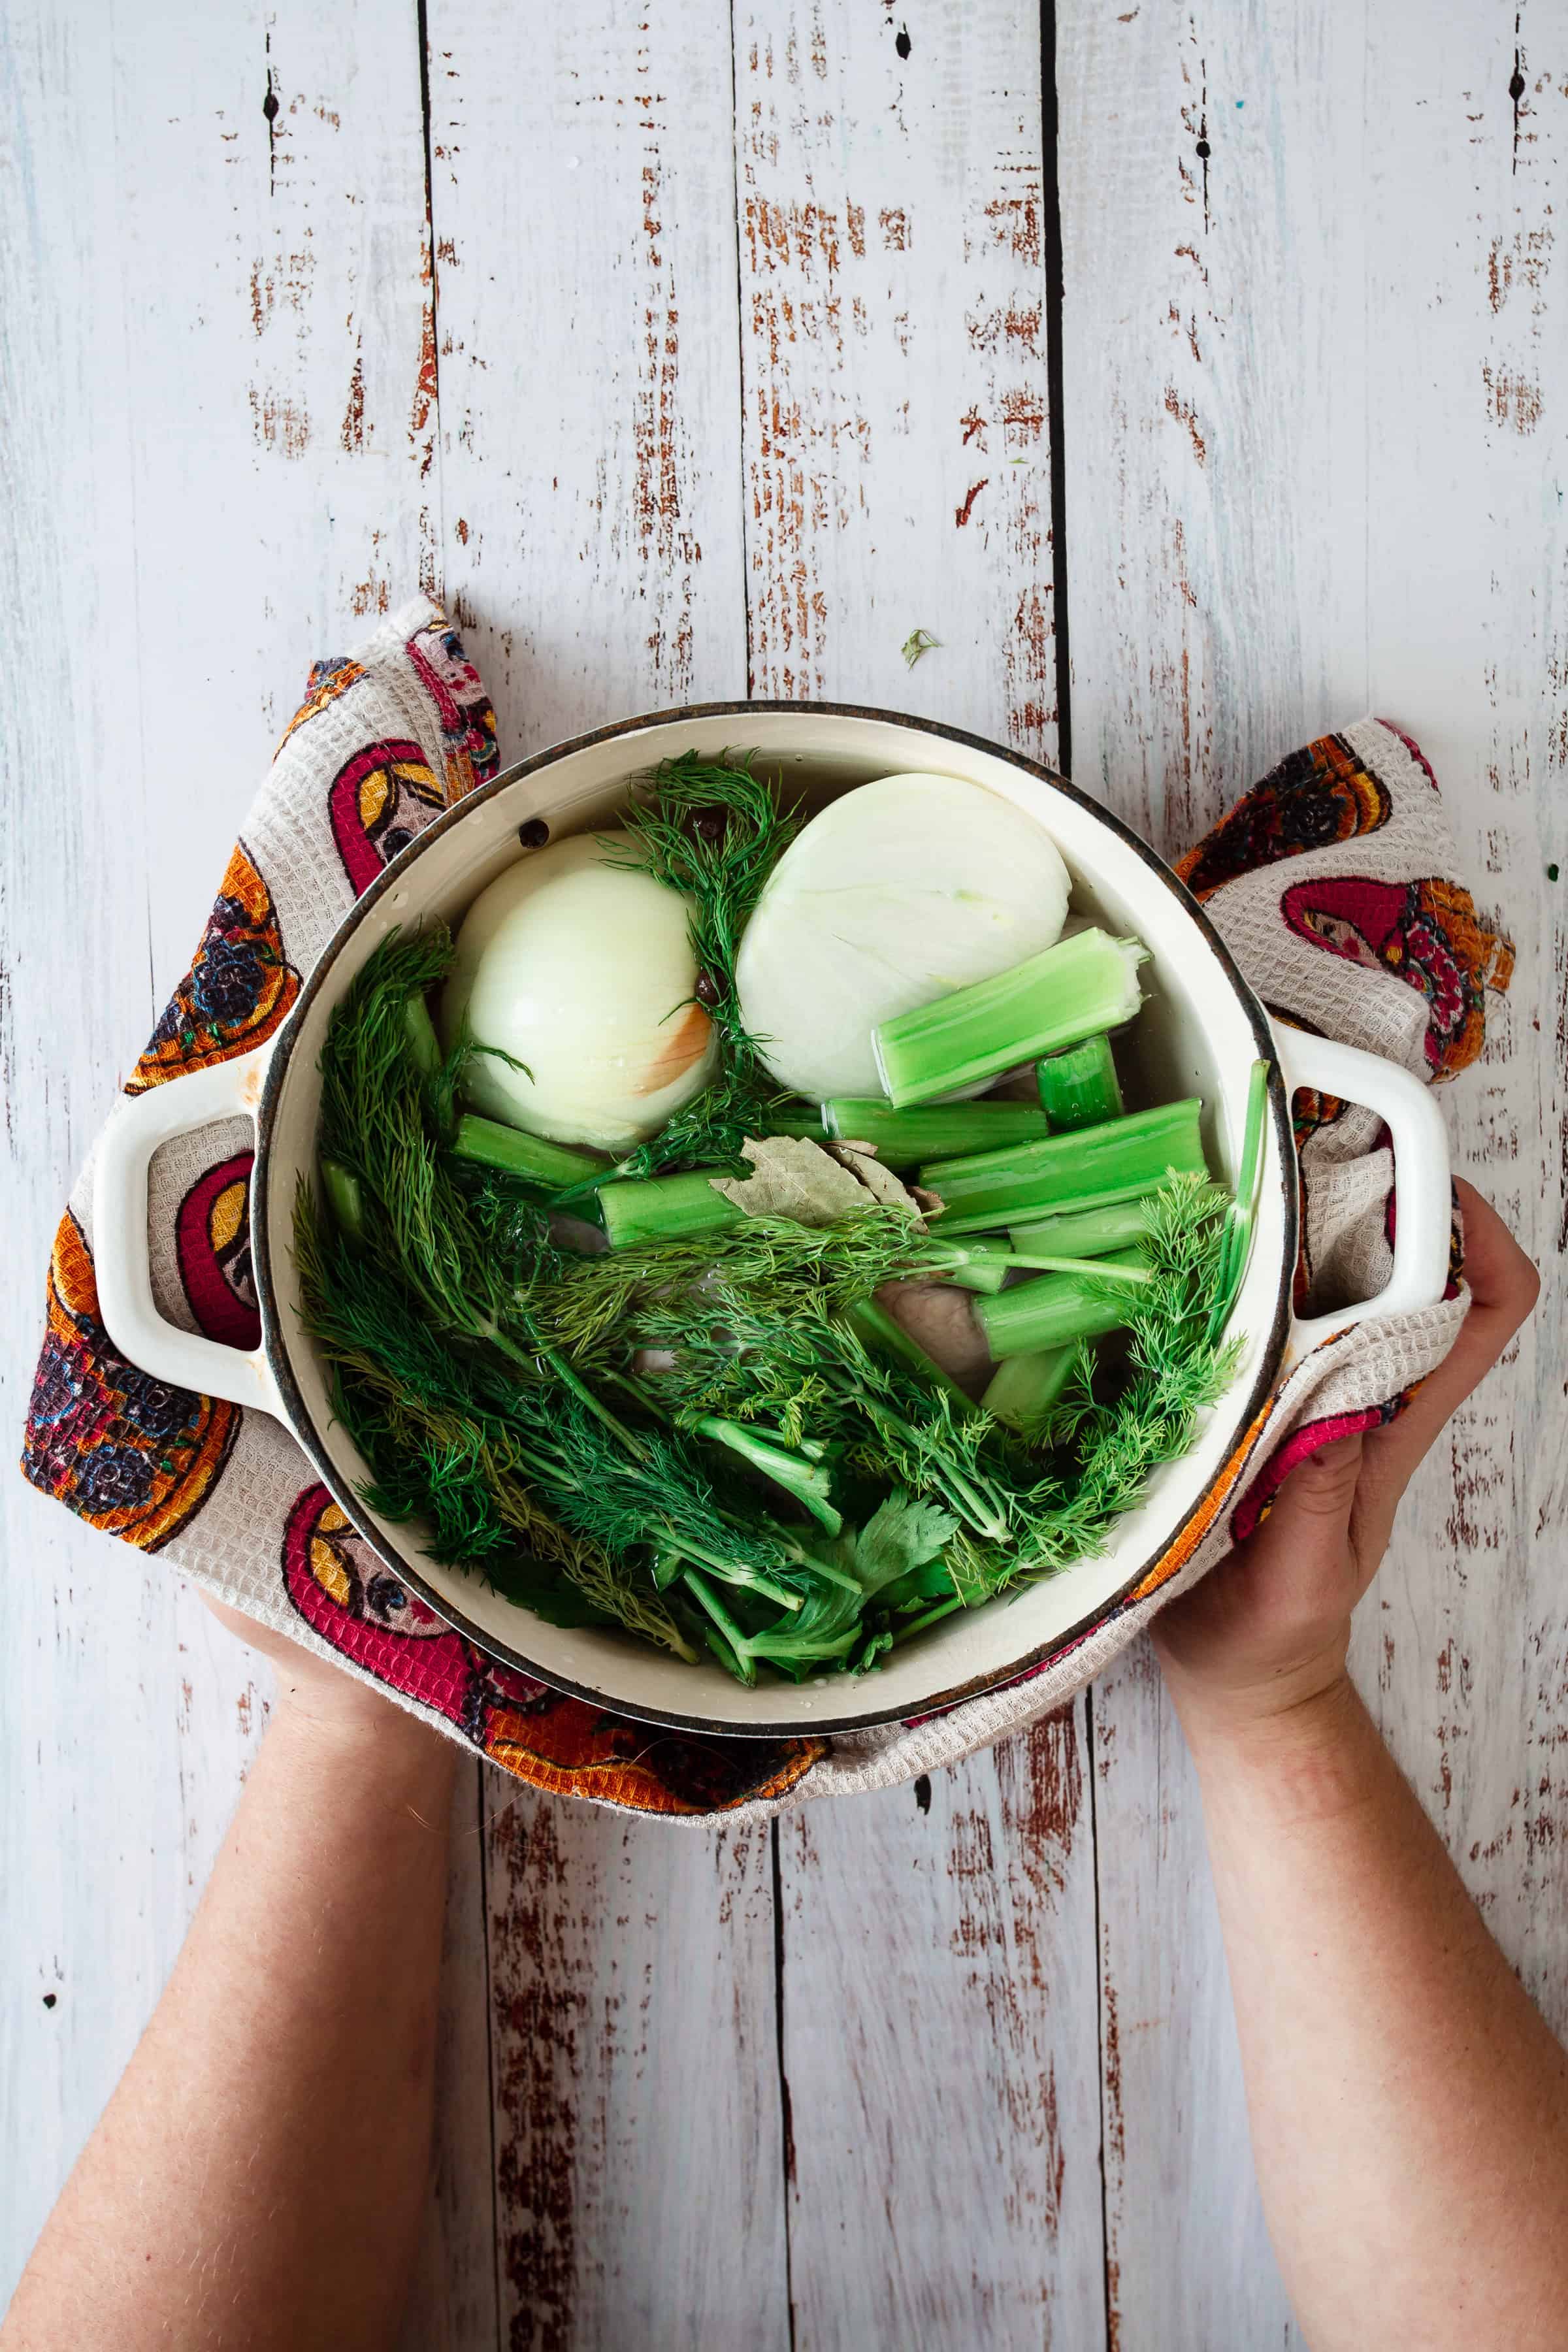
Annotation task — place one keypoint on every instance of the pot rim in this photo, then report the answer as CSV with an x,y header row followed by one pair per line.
x,y
303,1426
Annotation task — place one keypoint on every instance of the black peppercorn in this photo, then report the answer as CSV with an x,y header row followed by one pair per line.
x,y
710,824
533,833
706,991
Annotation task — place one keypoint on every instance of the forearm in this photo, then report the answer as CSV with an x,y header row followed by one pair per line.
x,y
1409,2107
257,2177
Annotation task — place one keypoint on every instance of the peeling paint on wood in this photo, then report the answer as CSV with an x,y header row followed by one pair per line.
x,y
1265,538
939,1969
892,305
589,367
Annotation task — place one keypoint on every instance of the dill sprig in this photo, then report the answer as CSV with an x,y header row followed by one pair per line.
x,y
713,831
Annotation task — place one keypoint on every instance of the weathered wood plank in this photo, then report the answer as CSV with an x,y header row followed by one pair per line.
x,y
938,2023
940,2050
1312,463
893,319
583,217
186,288
639,2139
583,210
1467,577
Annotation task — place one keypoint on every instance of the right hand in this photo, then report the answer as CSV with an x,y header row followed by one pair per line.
x,y
1268,1628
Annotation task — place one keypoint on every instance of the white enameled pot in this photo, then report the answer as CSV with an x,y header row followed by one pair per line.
x,y
1199,1034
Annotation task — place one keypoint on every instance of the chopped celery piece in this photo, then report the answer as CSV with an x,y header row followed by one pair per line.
x,y
803,1121
662,1208
1053,1311
984,1266
344,1198
902,1139
1085,1232
488,1143
1024,1389
886,1336
1124,1158
1078,1086
1084,984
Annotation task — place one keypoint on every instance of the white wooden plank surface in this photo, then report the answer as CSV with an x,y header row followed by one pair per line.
x,y
1307,472
584,212
1315,458
181,318
938,2045
892,314
584,219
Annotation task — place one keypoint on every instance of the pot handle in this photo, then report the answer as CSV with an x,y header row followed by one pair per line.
x,y
120,1210
1406,1107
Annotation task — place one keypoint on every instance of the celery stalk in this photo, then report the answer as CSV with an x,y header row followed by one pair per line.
x,y
1024,1389
488,1143
1085,1232
1078,1086
345,1198
984,1265
661,1207
1053,1311
902,1139
1084,984
1097,1166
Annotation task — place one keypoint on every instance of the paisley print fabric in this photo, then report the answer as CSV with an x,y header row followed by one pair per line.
x,y
1319,796
1426,933
380,799
213,1247
1368,934
237,991
127,1452
347,1594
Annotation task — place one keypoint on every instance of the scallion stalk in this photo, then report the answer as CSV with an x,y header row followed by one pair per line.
x,y
1084,984
902,1139
1097,1166
1024,1389
1078,1086
1052,1312
488,1143
662,1208
1086,1233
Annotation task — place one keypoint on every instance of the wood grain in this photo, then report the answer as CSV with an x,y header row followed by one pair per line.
x,y
1312,466
590,462
938,2045
188,288
893,322
583,217
938,2008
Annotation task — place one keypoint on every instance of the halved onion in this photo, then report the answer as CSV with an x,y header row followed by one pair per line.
x,y
898,892
584,971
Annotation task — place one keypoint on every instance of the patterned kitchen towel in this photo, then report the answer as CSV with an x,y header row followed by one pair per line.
x,y
387,738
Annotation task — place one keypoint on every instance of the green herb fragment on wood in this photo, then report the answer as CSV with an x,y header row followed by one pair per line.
x,y
918,641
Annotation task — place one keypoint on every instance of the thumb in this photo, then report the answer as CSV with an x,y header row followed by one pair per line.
x,y
1303,1546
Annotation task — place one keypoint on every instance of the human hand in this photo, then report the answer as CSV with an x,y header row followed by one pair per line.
x,y
1267,1629
312,1695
